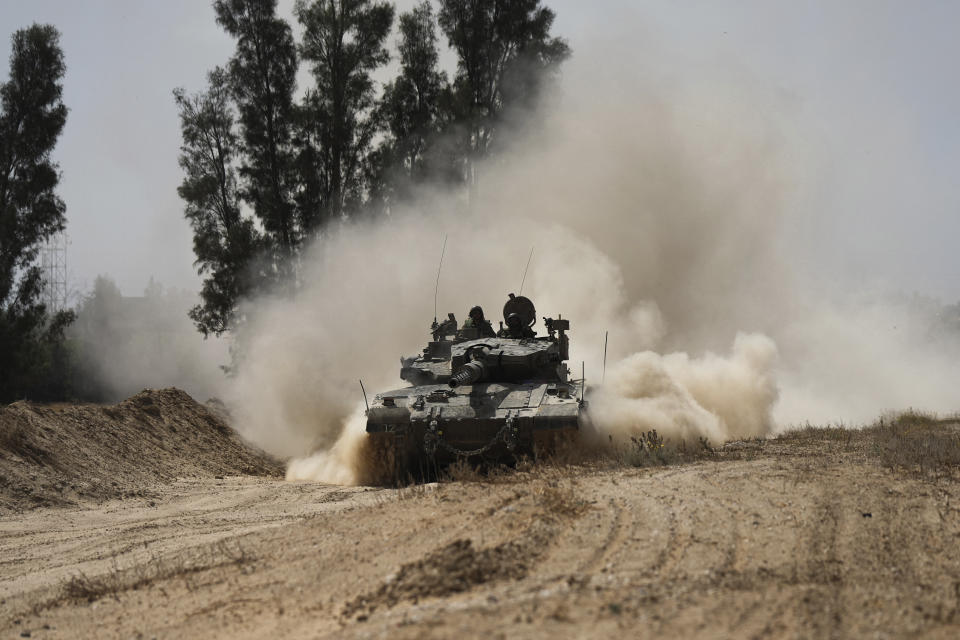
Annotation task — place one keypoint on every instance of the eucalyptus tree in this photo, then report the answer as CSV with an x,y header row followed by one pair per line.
x,y
32,116
262,81
413,108
344,42
505,57
226,241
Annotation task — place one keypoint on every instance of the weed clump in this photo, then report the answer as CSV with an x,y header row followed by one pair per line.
x,y
82,587
559,499
651,450
918,443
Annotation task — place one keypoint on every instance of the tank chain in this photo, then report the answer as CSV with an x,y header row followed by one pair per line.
x,y
508,433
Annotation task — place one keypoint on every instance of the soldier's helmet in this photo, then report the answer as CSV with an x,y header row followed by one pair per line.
x,y
476,313
514,321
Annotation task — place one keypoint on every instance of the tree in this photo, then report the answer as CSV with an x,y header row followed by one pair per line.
x,y
32,115
238,149
412,108
505,54
226,243
262,79
344,41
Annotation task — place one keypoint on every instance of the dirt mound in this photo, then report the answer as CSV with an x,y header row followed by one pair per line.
x,y
61,454
459,566
454,568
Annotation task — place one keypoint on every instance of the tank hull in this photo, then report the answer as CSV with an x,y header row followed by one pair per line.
x,y
434,425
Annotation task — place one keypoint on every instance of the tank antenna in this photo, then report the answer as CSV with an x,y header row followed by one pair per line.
x,y
364,396
603,377
525,272
436,289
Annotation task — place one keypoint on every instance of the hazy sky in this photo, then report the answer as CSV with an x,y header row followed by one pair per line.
x,y
865,93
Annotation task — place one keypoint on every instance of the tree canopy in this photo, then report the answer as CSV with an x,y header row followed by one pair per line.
x,y
262,79
413,110
505,54
32,115
344,43
267,169
224,239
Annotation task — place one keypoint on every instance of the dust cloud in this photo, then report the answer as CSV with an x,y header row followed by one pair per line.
x,y
368,299
124,344
713,397
657,216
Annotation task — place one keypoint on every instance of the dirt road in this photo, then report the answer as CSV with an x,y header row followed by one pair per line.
x,y
797,539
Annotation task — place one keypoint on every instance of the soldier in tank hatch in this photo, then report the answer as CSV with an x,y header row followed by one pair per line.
x,y
476,320
515,328
445,328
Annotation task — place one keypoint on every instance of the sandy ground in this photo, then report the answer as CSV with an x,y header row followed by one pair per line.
x,y
794,539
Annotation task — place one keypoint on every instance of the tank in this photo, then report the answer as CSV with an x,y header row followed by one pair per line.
x,y
476,394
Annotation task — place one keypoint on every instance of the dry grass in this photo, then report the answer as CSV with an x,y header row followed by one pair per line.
x,y
82,587
915,442
918,443
819,442
559,499
551,488
411,490
808,432
645,450
650,449
465,471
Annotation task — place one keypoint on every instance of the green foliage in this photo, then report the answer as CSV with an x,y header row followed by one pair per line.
x,y
414,108
32,115
262,78
505,55
224,240
238,150
344,149
344,43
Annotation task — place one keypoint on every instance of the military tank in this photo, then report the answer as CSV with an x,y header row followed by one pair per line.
x,y
477,394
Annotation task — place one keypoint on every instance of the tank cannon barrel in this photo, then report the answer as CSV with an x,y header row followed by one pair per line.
x,y
468,374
